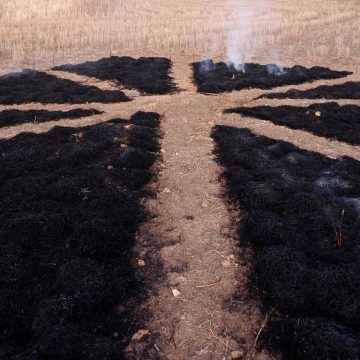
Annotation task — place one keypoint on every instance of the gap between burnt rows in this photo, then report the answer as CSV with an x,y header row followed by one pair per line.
x,y
12,117
71,203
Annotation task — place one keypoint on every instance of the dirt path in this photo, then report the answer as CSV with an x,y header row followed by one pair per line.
x,y
199,253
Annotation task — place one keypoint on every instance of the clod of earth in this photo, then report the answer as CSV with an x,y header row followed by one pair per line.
x,y
78,136
238,354
141,262
227,264
140,334
176,292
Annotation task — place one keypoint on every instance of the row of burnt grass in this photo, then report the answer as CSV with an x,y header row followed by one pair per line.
x,y
70,205
300,213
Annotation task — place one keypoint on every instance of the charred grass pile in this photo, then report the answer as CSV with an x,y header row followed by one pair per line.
x,y
219,77
301,213
70,205
149,75
34,86
16,117
348,90
329,120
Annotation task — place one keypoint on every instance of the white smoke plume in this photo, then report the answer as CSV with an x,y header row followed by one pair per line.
x,y
242,42
275,68
239,38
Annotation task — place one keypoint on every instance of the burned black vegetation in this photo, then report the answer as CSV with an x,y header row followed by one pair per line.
x,y
16,117
70,205
329,120
303,220
149,75
348,90
220,77
35,86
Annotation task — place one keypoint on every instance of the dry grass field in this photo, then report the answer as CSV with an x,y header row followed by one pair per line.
x,y
158,206
32,31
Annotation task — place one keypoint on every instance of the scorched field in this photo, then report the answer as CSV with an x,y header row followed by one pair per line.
x,y
179,180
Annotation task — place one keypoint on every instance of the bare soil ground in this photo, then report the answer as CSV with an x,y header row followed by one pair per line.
x,y
192,244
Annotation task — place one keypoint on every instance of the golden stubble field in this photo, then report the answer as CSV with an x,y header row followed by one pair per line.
x,y
36,31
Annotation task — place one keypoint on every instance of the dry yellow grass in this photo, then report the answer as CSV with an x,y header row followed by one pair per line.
x,y
34,30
